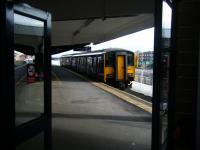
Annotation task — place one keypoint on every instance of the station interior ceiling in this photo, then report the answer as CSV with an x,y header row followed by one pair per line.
x,y
77,23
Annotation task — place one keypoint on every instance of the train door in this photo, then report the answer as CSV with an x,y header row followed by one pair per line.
x,y
120,67
25,106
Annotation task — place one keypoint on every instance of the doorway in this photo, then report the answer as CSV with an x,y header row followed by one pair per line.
x,y
41,121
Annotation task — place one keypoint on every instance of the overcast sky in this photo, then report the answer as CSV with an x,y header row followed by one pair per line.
x,y
142,41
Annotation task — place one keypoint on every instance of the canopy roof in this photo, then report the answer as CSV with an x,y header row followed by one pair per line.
x,y
77,23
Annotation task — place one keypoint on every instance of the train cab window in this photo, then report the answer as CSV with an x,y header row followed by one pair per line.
x,y
130,59
109,59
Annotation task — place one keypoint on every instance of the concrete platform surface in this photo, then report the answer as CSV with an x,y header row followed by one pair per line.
x,y
86,117
89,118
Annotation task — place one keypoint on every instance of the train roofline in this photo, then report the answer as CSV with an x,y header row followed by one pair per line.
x,y
97,52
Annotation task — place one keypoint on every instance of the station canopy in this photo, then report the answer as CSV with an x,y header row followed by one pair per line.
x,y
76,23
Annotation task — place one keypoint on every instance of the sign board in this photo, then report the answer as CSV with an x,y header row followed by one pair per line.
x,y
87,49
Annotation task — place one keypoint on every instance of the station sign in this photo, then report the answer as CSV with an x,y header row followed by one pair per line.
x,y
87,49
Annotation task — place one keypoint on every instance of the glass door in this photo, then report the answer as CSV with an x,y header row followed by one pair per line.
x,y
32,70
26,75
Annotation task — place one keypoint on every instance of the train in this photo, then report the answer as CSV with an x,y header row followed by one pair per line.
x,y
113,66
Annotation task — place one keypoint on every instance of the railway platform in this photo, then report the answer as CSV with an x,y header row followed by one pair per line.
x,y
91,115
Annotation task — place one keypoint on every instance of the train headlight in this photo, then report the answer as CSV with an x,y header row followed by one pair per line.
x,y
130,74
109,76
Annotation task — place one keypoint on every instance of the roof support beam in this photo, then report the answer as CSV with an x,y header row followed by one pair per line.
x,y
64,48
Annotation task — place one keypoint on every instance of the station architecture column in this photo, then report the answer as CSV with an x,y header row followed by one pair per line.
x,y
184,82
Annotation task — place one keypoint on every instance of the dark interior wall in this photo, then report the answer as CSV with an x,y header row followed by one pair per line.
x,y
198,103
6,92
186,72
1,53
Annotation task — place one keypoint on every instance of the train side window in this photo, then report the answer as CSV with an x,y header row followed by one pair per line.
x,y
130,59
74,61
89,61
81,60
100,65
109,59
94,61
67,60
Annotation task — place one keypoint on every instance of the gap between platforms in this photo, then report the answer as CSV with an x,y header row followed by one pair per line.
x,y
145,105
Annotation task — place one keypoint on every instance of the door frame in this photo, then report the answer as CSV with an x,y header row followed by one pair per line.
x,y
7,125
42,124
198,102
156,134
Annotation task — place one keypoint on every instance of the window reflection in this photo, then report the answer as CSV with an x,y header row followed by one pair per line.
x,y
165,55
166,25
28,58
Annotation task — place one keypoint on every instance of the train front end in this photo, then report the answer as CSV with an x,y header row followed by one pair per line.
x,y
119,68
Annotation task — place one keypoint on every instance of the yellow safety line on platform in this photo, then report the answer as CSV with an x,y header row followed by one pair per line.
x,y
57,78
121,94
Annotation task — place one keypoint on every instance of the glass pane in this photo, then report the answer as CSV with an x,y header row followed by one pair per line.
x,y
130,59
28,59
165,55
166,25
35,143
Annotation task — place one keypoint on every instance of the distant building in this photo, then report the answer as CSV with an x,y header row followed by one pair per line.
x,y
144,70
145,60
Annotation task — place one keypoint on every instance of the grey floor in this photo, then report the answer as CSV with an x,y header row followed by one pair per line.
x,y
88,118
